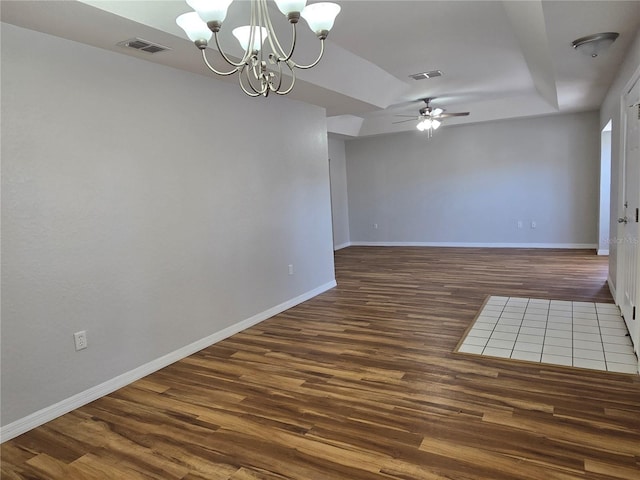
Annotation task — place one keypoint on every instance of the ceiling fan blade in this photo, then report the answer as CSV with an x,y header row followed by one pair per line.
x,y
404,121
408,116
447,115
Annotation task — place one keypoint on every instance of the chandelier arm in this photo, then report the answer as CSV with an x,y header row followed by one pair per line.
x,y
305,67
227,59
276,47
254,92
263,85
224,74
248,52
271,86
254,67
294,38
264,21
251,94
294,41
249,82
254,22
293,82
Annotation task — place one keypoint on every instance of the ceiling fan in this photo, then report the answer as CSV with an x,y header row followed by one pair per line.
x,y
430,118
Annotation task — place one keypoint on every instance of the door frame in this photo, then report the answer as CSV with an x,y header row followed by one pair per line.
x,y
619,286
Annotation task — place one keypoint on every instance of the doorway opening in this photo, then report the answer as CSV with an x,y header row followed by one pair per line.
x,y
605,190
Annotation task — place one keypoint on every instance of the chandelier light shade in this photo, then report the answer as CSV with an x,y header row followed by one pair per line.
x,y
211,10
246,33
194,27
287,6
320,17
260,70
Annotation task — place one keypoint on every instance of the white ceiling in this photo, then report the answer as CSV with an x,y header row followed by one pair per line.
x,y
501,59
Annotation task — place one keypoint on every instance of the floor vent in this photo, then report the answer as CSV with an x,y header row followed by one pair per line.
x,y
143,45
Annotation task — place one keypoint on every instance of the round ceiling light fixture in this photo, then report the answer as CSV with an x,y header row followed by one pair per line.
x,y
594,45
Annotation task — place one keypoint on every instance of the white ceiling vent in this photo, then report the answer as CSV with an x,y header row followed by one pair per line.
x,y
425,75
143,45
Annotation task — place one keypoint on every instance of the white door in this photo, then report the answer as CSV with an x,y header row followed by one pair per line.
x,y
629,219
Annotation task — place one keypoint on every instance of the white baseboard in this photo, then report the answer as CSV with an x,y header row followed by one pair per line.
x,y
612,289
47,414
603,251
341,246
477,245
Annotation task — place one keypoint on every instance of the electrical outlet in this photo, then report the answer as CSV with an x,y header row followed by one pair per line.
x,y
80,339
519,223
533,224
290,269
375,226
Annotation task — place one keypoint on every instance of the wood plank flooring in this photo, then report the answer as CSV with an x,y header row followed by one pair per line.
x,y
362,383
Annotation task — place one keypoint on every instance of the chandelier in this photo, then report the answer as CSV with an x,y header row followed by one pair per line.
x,y
260,72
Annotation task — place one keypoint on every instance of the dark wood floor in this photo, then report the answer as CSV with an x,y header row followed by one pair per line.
x,y
362,383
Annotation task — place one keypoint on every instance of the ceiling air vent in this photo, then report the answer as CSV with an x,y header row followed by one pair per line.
x,y
425,75
143,45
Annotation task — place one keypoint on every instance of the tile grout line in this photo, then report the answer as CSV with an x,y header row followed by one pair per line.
x,y
503,309
497,320
519,328
604,353
544,335
570,339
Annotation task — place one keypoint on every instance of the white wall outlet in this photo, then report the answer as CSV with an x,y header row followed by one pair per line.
x,y
80,339
533,224
290,269
375,226
519,223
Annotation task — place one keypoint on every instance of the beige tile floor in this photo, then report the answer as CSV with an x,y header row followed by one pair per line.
x,y
578,334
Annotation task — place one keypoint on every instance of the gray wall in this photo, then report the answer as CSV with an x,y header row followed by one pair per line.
x,y
611,110
135,207
471,184
339,198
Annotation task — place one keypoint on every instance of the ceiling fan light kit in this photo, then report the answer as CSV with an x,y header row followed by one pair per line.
x,y
259,72
594,45
430,118
428,125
